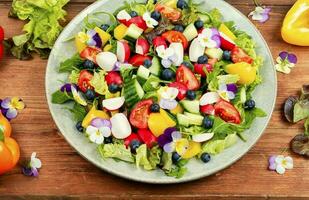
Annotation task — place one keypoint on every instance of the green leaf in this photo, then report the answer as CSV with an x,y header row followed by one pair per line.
x,y
73,77
301,110
306,125
79,112
177,172
141,158
166,161
71,64
99,83
117,151
217,146
59,97
154,156
1,133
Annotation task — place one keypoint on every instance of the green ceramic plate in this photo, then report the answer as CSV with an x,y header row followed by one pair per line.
x,y
265,96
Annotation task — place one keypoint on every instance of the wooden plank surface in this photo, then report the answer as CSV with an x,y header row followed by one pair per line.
x,y
65,175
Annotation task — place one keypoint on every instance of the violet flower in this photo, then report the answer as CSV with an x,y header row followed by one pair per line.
x,y
261,13
225,93
285,61
279,163
210,38
98,129
31,168
94,39
10,107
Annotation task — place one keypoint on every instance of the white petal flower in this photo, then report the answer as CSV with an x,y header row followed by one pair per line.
x,y
170,93
95,135
283,163
105,131
165,53
260,14
35,162
205,40
151,23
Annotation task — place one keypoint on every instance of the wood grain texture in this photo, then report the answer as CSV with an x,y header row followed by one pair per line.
x,y
65,175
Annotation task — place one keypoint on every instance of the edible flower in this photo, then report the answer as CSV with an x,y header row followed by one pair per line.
x,y
225,92
31,168
178,144
98,129
168,97
210,38
279,163
78,96
94,39
10,107
260,14
167,55
285,62
151,23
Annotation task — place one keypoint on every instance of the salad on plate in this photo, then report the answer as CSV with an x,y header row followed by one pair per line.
x,y
162,83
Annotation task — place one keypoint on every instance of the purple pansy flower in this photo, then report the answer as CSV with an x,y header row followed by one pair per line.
x,y
166,137
232,88
280,163
94,39
285,61
260,14
210,38
31,168
98,129
10,107
225,93
67,87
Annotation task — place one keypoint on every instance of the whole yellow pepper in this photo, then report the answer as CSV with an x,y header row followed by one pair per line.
x,y
295,29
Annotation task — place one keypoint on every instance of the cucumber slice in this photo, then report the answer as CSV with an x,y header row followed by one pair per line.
x,y
133,32
151,84
183,120
142,74
194,118
133,92
190,32
191,106
139,89
156,66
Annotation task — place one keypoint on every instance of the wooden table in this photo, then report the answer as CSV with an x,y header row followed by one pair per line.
x,y
66,175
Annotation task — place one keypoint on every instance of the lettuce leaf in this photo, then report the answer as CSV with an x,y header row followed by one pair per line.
x,y
217,146
99,83
141,158
117,151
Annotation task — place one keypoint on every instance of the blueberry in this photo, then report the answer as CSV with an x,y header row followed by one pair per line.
x,y
179,28
113,88
176,157
156,15
134,144
185,63
133,13
147,63
155,108
226,55
205,157
168,74
207,122
182,4
104,27
191,95
202,59
199,24
249,104
88,64
154,1
90,94
79,126
108,140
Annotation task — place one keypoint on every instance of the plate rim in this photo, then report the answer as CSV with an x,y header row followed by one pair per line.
x,y
166,181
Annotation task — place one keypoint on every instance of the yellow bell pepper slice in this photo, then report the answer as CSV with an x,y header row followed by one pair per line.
x,y
246,73
120,31
158,122
177,110
80,41
94,113
226,31
103,35
194,149
295,28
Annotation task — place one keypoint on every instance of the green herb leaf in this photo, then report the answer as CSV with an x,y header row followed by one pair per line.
x,y
306,125
118,151
71,64
79,112
301,110
59,97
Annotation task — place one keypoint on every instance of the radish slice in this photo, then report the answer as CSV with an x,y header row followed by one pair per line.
x,y
202,137
196,50
123,15
123,51
106,60
178,50
121,127
209,98
142,46
113,103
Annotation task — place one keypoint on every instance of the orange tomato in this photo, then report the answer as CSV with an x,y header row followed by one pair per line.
x,y
168,12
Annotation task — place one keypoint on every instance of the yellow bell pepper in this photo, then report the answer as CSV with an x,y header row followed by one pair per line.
x,y
295,28
226,31
94,113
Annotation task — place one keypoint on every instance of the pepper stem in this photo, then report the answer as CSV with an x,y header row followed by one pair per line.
x,y
1,133
256,3
306,127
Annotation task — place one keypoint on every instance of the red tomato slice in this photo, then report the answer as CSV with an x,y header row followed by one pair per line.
x,y
208,109
168,12
182,88
140,114
1,50
90,53
147,137
138,21
176,36
131,137
200,69
186,76
84,80
138,60
158,41
227,112
113,77
239,55
1,34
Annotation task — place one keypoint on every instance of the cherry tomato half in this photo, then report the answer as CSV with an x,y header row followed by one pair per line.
x,y
84,80
1,34
168,12
186,76
176,36
227,112
113,77
90,53
138,60
140,114
1,50
200,69
239,55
